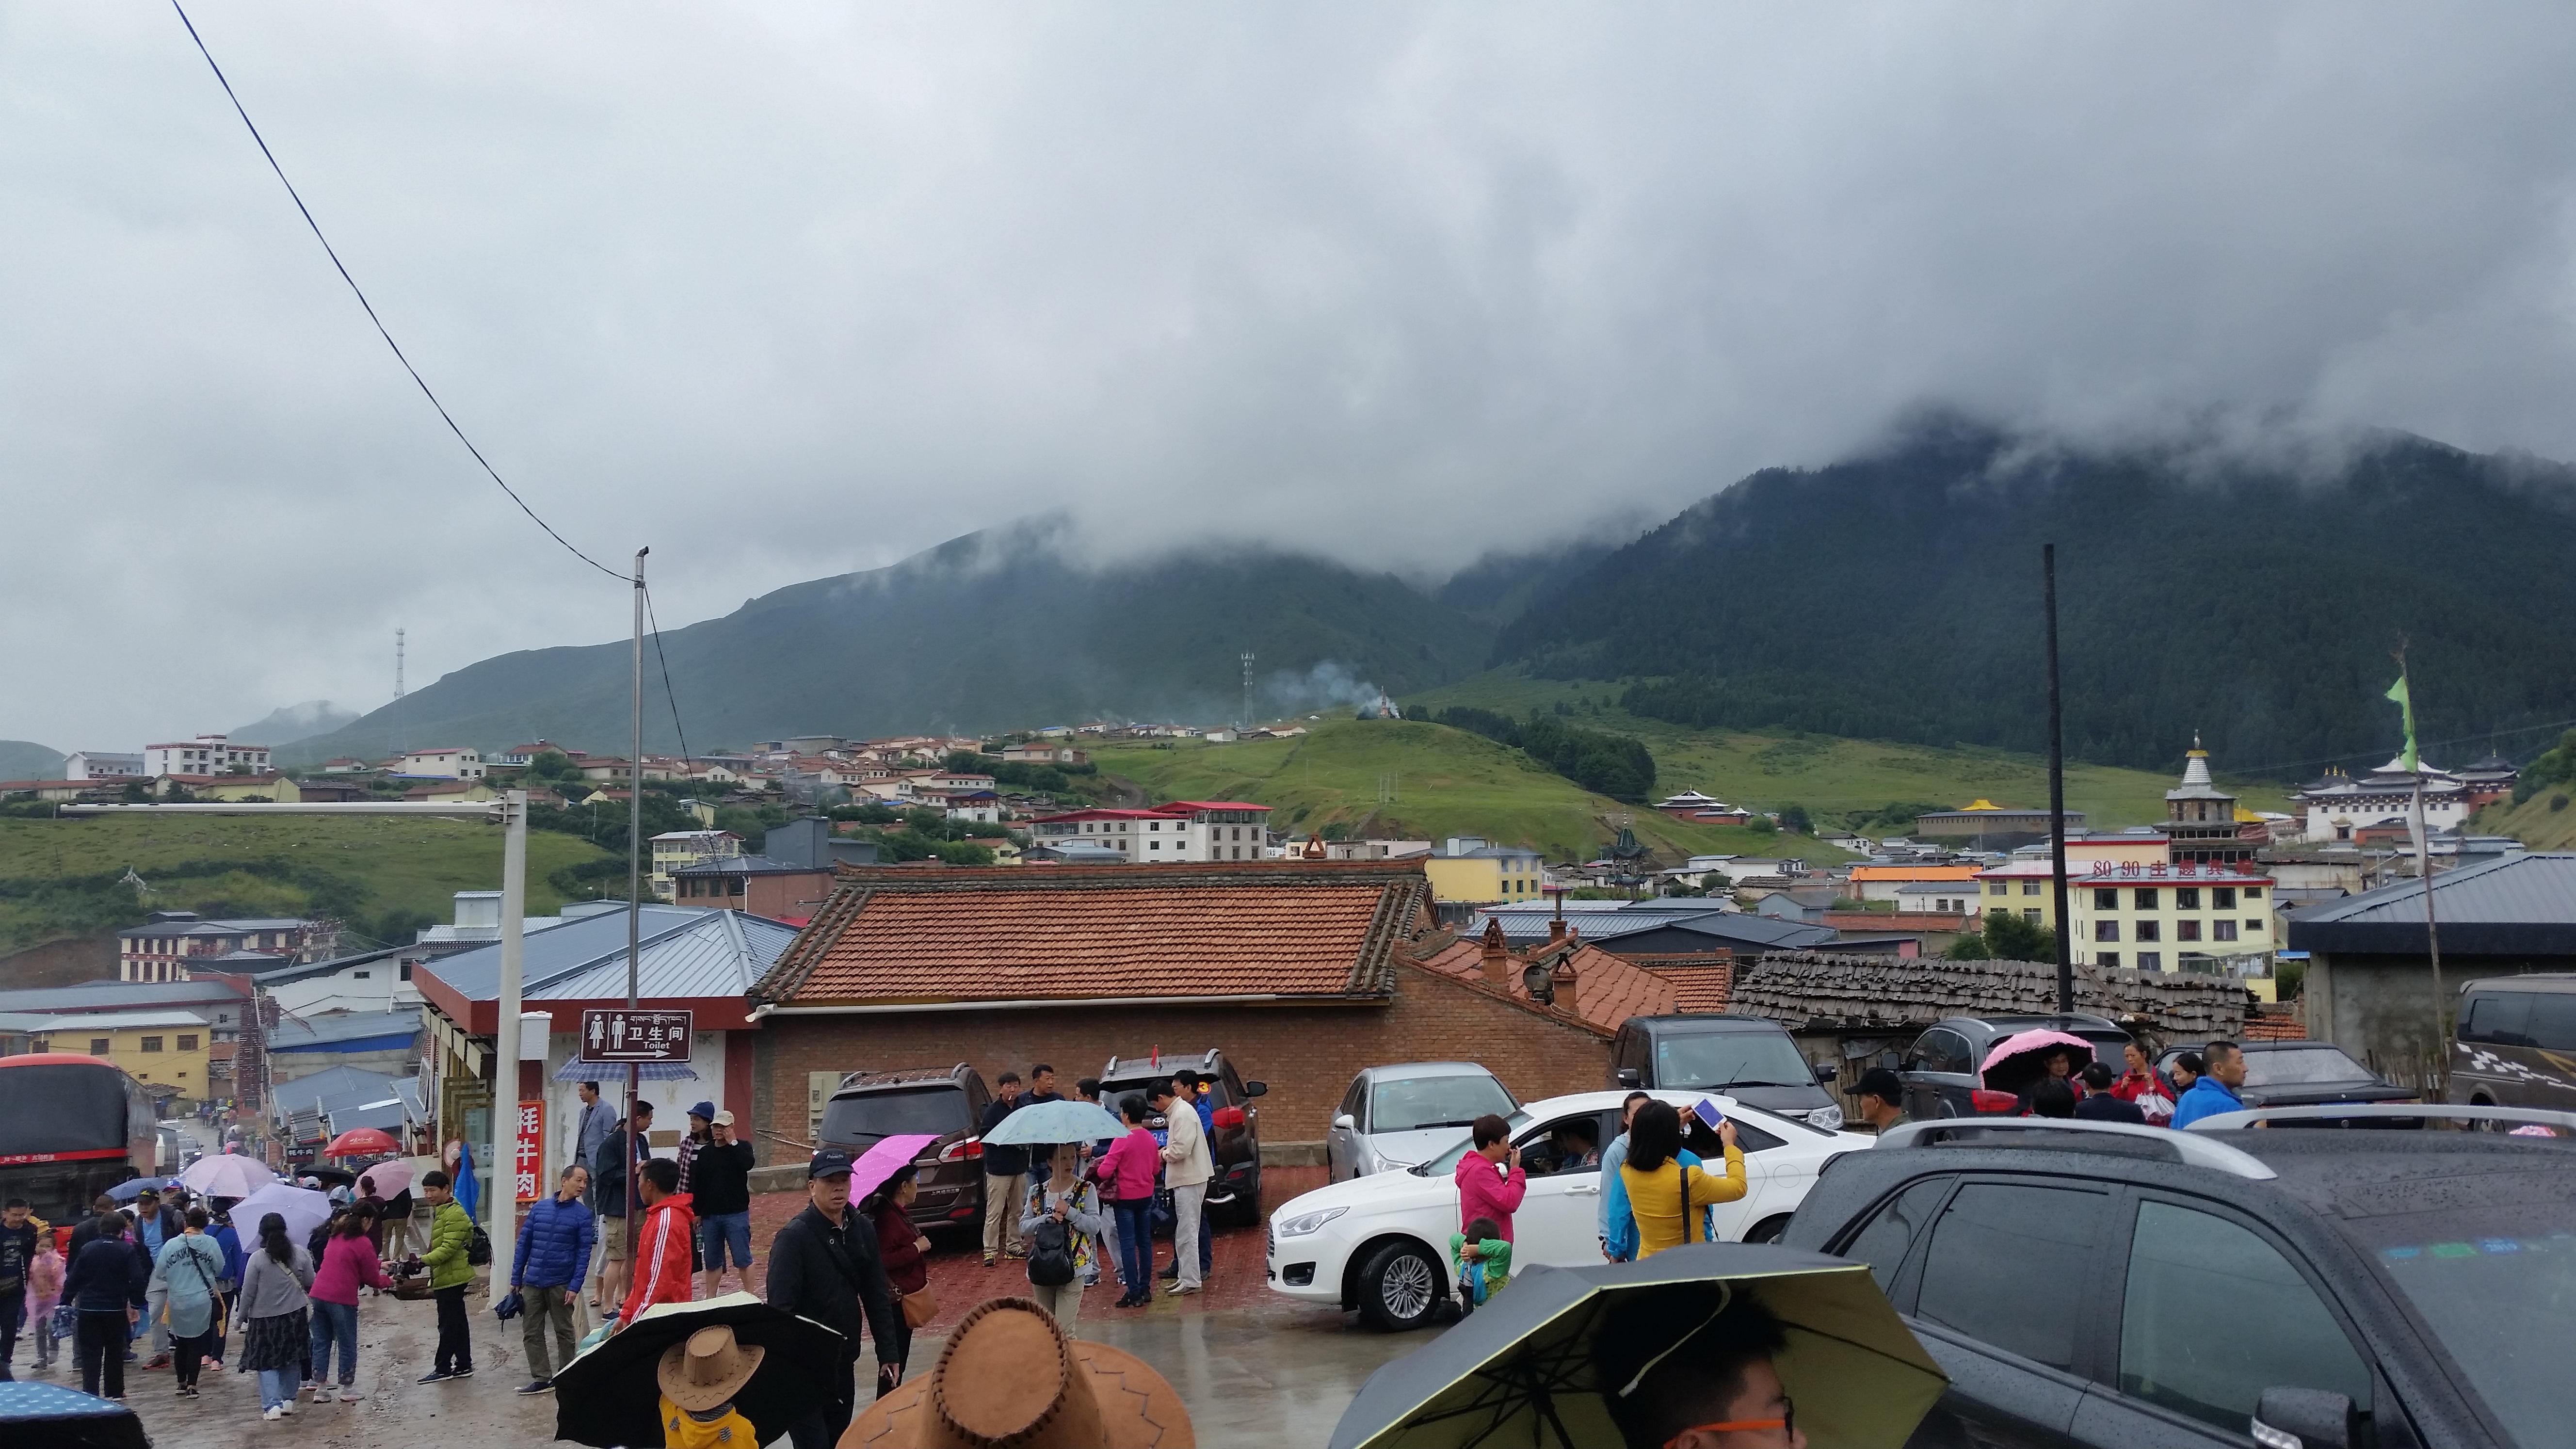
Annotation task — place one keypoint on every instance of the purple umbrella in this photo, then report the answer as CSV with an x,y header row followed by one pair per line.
x,y
885,1159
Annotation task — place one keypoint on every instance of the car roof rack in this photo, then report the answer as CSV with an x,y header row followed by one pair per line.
x,y
2344,1111
2065,1132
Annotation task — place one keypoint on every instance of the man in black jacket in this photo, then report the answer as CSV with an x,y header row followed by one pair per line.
x,y
824,1266
1005,1175
721,1195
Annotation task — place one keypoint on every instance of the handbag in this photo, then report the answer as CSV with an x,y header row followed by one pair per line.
x,y
919,1308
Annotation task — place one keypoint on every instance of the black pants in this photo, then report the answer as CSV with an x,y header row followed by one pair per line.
x,y
455,1331
101,1345
13,1311
822,1428
191,1353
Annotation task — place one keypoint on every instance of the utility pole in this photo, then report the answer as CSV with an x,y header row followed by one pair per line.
x,y
2057,791
634,873
2439,1067
506,1047
1247,692
398,690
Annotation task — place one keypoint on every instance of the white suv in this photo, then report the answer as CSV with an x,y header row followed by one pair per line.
x,y
1380,1244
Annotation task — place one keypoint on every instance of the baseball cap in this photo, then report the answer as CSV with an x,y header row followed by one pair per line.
x,y
828,1163
722,1119
706,1110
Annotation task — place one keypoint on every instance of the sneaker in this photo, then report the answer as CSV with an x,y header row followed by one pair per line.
x,y
436,1376
536,1386
461,1371
273,1413
158,1361
1180,1288
989,1260
286,1408
349,1394
1173,1271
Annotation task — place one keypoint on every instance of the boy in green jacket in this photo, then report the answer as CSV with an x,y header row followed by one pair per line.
x,y
1484,1261
451,1234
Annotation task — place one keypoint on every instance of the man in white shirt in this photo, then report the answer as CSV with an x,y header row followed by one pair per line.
x,y
1186,1169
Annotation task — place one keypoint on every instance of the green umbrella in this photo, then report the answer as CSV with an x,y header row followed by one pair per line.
x,y
1519,1371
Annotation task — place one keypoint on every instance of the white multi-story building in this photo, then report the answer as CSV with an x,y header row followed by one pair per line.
x,y
102,765
1181,830
450,762
204,755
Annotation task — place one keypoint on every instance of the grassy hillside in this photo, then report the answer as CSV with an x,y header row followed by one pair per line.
x,y
1832,776
27,760
2533,822
384,876
1446,782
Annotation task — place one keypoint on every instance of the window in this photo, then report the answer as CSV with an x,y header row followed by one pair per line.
x,y
2222,898
1998,888
2186,930
363,975
2151,960
2552,1026
2144,898
2031,915
187,1043
2030,887
1939,1050
2181,1262
2106,930
2253,928
2106,958
1993,1242
1563,1148
2106,900
2253,893
1882,1244
2186,898
98,1046
2221,930
2150,931
2499,1019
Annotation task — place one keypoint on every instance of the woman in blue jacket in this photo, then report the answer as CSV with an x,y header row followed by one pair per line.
x,y
106,1283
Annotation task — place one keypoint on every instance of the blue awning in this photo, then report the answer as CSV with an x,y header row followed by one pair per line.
x,y
578,1070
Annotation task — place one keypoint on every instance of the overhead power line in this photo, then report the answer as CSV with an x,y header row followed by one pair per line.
x,y
360,293
667,692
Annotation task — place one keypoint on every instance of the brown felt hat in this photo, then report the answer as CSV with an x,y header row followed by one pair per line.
x,y
707,1370
1010,1379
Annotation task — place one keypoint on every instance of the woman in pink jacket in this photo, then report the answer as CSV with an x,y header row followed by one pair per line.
x,y
1126,1173
348,1264
1490,1184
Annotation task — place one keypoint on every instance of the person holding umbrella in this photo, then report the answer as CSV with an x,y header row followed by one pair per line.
x,y
905,1252
1066,1207
1712,1387
823,1265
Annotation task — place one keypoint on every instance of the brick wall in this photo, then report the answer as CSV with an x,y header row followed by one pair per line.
x,y
1308,1054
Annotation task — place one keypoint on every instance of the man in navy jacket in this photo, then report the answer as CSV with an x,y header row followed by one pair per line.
x,y
555,1244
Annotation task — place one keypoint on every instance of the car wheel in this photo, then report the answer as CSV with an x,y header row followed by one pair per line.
x,y
2488,1124
1399,1286
1769,1230
1245,1210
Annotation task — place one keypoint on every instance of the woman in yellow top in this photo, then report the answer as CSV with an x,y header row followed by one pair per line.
x,y
1657,1179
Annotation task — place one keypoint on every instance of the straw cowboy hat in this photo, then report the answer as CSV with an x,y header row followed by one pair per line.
x,y
707,1370
1010,1379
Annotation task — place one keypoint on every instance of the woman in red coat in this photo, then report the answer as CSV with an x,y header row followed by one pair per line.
x,y
905,1251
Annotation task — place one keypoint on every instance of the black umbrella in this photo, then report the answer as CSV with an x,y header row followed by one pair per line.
x,y
609,1396
52,1416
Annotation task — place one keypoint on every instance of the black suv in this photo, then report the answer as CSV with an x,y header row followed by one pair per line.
x,y
1751,1058
869,1107
1234,1143
2091,1283
1940,1069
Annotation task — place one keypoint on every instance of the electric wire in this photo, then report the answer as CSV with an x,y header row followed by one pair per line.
x,y
669,693
370,308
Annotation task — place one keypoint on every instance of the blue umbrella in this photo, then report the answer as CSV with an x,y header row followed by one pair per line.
x,y
1047,1123
134,1187
469,1193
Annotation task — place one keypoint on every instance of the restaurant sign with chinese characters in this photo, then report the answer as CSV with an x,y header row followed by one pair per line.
x,y
616,1035
528,1166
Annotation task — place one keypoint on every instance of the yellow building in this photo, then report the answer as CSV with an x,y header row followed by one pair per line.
x,y
2153,917
167,1051
1466,868
276,788
675,848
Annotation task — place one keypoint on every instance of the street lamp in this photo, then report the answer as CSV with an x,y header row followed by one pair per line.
x,y
512,811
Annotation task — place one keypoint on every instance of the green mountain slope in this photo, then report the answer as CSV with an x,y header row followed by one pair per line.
x,y
383,876
27,760
2255,604
986,632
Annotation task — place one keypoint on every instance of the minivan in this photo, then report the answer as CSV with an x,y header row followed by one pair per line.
x,y
2516,1045
869,1107
1234,1147
1750,1058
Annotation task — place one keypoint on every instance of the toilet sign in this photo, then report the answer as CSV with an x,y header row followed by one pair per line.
x,y
617,1036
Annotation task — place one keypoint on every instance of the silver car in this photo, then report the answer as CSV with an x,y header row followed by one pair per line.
x,y
1393,1117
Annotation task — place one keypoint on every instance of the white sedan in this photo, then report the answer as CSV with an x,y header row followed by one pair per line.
x,y
1380,1243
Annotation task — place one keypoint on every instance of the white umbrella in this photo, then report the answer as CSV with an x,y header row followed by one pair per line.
x,y
229,1175
302,1207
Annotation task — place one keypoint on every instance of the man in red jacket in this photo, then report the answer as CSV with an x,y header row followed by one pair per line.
x,y
661,1266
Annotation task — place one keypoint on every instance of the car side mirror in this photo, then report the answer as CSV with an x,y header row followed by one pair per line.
x,y
1630,1077
1256,1089
1345,1122
1827,1073
2304,1419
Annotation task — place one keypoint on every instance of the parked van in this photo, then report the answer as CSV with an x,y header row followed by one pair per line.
x,y
1751,1058
2516,1045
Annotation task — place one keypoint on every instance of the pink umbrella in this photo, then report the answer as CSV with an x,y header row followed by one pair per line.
x,y
392,1176
2022,1042
883,1160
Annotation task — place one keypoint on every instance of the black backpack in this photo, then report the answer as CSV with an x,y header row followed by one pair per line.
x,y
1051,1254
478,1249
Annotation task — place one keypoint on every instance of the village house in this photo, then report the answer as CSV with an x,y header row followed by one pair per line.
x,y
673,849
1180,830
452,762
204,755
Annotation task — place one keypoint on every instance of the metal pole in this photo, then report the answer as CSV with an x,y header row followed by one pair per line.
x,y
505,1074
2057,792
2434,1087
634,881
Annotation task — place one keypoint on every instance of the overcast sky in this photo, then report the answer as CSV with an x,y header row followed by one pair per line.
x,y
785,291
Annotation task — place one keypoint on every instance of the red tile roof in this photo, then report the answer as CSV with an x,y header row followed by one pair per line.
x,y
1606,989
933,935
2275,1023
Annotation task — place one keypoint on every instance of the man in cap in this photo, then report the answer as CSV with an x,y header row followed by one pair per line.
x,y
617,1155
723,1194
824,1266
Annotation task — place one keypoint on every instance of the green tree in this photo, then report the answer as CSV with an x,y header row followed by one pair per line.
x,y
1795,818
2014,938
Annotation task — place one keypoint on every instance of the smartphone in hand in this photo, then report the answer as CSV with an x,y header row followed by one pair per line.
x,y
1709,1112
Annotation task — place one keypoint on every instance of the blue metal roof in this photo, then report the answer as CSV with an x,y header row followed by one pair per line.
x,y
346,1031
1730,927
2514,905
684,952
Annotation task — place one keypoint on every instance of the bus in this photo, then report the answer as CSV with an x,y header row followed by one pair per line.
x,y
71,1127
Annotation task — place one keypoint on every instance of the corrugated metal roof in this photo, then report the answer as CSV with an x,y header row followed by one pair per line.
x,y
307,1033
685,952
2514,905
331,1085
1735,926
130,995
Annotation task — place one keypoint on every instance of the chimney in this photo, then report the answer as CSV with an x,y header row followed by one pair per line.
x,y
1556,930
1496,959
1567,984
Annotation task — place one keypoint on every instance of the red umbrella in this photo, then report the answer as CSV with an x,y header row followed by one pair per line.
x,y
361,1142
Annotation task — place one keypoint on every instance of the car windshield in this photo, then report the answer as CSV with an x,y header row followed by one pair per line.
x,y
863,1120
1447,1162
1409,1104
2301,1064
2497,1286
1731,1059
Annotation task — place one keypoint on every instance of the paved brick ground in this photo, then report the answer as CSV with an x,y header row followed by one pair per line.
x,y
958,1274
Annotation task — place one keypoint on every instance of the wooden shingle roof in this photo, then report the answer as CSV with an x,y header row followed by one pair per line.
x,y
1822,992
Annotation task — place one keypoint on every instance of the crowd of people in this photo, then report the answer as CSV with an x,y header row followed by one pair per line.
x,y
2204,1083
